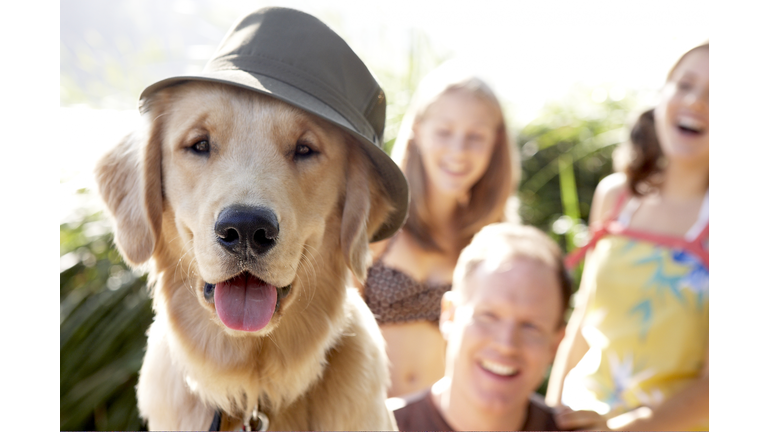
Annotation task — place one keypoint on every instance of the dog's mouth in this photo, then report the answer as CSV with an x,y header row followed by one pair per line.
x,y
245,302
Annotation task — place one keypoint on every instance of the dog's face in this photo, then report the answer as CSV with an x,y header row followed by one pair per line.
x,y
242,191
252,182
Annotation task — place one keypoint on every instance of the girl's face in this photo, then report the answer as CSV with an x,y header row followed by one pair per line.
x,y
455,137
682,116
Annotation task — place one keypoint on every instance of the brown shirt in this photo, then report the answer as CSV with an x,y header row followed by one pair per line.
x,y
420,413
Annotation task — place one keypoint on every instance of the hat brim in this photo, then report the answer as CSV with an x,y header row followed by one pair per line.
x,y
392,177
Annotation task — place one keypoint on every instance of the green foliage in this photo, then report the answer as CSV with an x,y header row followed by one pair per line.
x,y
565,152
105,312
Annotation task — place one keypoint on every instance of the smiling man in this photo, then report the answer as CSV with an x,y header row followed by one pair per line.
x,y
503,321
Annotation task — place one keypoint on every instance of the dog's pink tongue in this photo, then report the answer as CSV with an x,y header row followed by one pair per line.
x,y
245,302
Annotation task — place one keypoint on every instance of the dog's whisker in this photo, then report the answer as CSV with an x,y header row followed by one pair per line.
x,y
302,283
307,265
272,338
309,249
181,258
311,253
185,247
191,288
310,295
185,276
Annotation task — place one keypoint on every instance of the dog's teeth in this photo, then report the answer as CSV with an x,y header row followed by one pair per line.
x,y
499,369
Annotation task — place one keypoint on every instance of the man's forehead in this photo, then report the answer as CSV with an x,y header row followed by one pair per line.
x,y
493,277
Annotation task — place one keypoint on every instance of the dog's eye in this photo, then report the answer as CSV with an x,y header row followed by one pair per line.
x,y
202,146
303,151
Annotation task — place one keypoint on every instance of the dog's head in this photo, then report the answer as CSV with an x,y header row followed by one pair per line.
x,y
239,194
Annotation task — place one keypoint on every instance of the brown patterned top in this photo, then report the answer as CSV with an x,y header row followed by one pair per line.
x,y
395,297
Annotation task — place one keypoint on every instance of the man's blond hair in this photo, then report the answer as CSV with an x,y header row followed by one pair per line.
x,y
500,243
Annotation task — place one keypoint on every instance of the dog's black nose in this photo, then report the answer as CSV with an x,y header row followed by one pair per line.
x,y
242,228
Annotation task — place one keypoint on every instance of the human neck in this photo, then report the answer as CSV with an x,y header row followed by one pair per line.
x,y
461,414
683,182
442,210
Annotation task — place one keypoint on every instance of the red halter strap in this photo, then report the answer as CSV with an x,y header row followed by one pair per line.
x,y
599,230
698,247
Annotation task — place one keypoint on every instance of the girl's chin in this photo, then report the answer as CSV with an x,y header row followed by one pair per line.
x,y
458,192
454,185
687,150
687,155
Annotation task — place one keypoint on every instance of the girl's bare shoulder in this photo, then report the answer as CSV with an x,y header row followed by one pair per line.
x,y
607,196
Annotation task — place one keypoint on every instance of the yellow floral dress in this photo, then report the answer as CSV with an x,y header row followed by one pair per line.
x,y
647,319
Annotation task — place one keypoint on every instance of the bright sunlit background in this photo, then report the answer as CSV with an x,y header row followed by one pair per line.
x,y
530,52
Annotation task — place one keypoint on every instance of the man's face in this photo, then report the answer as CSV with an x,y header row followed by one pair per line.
x,y
503,334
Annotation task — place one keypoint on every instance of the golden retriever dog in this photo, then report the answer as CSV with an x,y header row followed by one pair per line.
x,y
250,213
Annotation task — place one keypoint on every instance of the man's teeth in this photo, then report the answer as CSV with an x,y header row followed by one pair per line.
x,y
498,369
690,123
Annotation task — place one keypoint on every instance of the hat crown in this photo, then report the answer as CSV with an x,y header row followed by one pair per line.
x,y
289,45
295,58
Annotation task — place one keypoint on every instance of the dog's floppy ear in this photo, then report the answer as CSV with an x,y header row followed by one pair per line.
x,y
129,181
366,207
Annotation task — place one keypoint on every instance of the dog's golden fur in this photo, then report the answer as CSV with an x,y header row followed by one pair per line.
x,y
320,362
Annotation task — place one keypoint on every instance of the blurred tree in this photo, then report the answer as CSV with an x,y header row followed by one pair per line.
x,y
566,151
105,311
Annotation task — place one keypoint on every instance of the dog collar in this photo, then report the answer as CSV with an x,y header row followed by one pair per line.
x,y
216,423
261,421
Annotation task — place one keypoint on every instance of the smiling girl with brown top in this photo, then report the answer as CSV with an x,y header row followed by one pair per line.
x,y
462,169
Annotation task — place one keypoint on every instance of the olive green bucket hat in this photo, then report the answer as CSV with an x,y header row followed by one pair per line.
x,y
294,57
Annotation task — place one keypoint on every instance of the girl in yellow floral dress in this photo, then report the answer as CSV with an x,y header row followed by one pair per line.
x,y
635,355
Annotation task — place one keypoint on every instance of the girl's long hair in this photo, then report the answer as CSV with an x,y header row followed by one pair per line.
x,y
491,198
641,159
